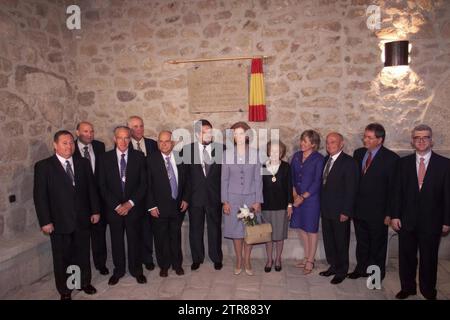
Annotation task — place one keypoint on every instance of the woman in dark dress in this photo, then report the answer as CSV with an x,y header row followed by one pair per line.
x,y
277,206
307,168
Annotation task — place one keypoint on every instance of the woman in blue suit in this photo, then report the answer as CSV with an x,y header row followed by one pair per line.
x,y
307,168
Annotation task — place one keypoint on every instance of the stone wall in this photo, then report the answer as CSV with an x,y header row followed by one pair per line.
x,y
37,97
324,72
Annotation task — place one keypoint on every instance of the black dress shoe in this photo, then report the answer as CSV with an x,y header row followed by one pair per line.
x,y
179,271
66,296
337,279
113,280
89,289
195,266
141,279
163,273
404,294
327,273
150,266
104,271
355,275
218,265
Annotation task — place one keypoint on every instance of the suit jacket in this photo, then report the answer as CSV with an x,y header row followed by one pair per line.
x,y
427,209
339,192
57,201
242,179
99,148
205,191
110,182
159,193
150,146
376,186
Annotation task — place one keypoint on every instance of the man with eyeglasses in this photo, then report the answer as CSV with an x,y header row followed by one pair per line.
x,y
421,213
372,208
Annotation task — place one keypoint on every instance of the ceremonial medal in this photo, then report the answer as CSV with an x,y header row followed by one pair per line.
x,y
274,179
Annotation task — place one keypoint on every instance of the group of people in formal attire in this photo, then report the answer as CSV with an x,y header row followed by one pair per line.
x,y
143,189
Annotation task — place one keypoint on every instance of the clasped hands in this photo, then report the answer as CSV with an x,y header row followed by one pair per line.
x,y
227,208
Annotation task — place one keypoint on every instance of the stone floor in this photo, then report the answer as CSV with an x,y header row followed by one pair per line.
x,y
209,284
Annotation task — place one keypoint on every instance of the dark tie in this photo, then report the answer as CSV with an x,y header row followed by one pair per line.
x,y
206,160
87,155
69,172
123,169
368,162
172,178
327,169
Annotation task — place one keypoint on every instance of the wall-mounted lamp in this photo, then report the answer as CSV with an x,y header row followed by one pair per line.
x,y
396,53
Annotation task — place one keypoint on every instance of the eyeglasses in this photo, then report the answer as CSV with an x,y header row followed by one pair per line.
x,y
422,139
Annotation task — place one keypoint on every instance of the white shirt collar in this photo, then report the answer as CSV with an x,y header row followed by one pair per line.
x,y
136,141
119,153
81,145
63,160
426,157
336,155
169,155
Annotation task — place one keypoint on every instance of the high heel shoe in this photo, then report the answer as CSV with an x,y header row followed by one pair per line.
x,y
308,270
237,271
277,266
301,264
268,268
249,271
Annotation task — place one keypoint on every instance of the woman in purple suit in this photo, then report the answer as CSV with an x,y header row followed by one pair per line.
x,y
307,168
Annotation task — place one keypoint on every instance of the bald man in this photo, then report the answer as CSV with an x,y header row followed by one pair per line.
x,y
167,201
339,187
147,146
87,147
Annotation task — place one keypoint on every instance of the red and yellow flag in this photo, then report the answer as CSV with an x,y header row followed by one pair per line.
x,y
257,103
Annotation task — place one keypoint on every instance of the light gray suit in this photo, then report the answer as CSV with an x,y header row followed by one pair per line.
x,y
241,184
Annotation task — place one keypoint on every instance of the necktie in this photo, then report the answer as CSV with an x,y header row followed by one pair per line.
x,y
123,168
172,178
139,146
368,162
69,172
206,161
327,170
86,153
422,171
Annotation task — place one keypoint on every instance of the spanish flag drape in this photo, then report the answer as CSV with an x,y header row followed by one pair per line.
x,y
257,103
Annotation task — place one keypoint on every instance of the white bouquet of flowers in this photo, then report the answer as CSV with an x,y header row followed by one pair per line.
x,y
247,215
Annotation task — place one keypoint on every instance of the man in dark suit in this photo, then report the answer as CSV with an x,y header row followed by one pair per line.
x,y
339,185
167,198
203,161
87,147
123,184
146,146
376,165
421,213
66,202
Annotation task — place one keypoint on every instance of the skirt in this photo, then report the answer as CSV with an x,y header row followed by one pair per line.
x,y
279,221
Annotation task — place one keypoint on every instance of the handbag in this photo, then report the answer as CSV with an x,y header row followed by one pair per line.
x,y
258,233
